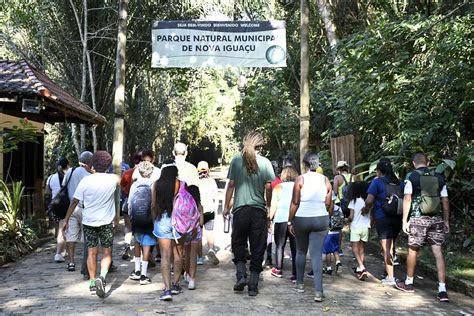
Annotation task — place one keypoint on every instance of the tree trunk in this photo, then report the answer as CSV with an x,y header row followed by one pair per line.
x,y
304,81
75,141
119,102
329,26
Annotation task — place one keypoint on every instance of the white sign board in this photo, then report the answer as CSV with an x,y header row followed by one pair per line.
x,y
218,44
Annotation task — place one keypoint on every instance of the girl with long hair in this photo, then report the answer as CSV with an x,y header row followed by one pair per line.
x,y
163,195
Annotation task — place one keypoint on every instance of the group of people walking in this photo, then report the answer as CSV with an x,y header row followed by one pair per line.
x,y
169,209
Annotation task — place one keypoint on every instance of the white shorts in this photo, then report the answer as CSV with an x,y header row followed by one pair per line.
x,y
74,231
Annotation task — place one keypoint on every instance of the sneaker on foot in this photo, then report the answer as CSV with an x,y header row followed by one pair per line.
x,y
191,284
135,275
158,258
388,281
327,271
59,258
338,268
443,297
112,268
310,274
71,266
176,289
299,288
92,289
200,261
293,279
395,260
100,285
276,273
166,296
341,253
144,280
212,257
408,288
362,275
318,297
124,254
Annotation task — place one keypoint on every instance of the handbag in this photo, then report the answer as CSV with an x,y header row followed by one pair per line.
x,y
60,203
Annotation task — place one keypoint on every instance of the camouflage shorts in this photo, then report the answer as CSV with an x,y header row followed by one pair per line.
x,y
426,230
104,234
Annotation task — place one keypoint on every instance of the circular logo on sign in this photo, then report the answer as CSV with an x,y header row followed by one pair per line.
x,y
275,54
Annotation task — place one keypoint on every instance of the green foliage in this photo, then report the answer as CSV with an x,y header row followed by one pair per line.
x,y
404,88
12,137
15,236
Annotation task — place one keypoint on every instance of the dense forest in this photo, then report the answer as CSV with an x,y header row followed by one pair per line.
x,y
397,74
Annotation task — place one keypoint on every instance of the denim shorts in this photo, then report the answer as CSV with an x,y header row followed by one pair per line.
x,y
146,239
164,229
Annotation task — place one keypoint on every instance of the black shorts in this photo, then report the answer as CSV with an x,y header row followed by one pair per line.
x,y
388,227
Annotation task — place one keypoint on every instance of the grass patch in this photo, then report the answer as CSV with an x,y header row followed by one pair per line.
x,y
457,265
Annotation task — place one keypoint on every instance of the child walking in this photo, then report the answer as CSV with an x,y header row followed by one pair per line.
x,y
331,244
360,223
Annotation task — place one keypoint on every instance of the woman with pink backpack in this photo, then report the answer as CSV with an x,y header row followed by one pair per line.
x,y
175,216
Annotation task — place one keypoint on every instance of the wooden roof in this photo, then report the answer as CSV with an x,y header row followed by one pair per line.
x,y
18,80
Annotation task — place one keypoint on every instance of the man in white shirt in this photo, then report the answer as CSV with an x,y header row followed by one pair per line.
x,y
425,193
96,192
187,172
74,232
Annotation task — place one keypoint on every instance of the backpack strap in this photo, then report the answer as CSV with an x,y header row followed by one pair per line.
x,y
344,178
70,176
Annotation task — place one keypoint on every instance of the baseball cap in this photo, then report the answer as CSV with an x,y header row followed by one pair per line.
x,y
203,165
342,164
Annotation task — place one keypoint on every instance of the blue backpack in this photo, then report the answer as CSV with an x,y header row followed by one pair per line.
x,y
140,214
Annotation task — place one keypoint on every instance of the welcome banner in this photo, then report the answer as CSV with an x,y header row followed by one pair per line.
x,y
218,44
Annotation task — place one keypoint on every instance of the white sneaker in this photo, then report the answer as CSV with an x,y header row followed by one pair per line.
x,y
59,258
388,281
191,284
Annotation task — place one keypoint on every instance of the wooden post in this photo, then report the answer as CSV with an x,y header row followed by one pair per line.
x,y
119,101
304,82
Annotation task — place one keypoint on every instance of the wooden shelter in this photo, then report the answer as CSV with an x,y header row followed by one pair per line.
x,y
27,92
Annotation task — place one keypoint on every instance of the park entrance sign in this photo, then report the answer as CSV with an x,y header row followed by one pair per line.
x,y
218,44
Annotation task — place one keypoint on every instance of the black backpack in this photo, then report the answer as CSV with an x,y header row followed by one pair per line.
x,y
393,204
60,204
140,214
345,199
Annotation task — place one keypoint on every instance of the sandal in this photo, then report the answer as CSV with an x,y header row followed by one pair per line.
x,y
71,266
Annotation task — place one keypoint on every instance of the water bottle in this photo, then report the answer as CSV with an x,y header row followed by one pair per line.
x,y
226,224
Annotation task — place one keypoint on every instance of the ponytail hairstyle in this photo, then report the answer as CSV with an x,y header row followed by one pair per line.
x,y
385,167
311,161
252,142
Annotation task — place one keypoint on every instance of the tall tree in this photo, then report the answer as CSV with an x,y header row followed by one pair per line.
x,y
119,102
304,81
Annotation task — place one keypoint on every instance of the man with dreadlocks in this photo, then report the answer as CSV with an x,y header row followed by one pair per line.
x,y
250,176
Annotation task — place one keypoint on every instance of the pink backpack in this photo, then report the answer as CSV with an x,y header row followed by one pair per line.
x,y
185,216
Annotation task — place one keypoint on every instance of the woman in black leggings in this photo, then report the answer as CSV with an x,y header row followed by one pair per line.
x,y
281,200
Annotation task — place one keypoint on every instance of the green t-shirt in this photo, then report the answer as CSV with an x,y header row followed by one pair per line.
x,y
250,189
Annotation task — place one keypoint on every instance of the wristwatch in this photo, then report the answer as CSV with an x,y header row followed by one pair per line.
x,y
290,223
